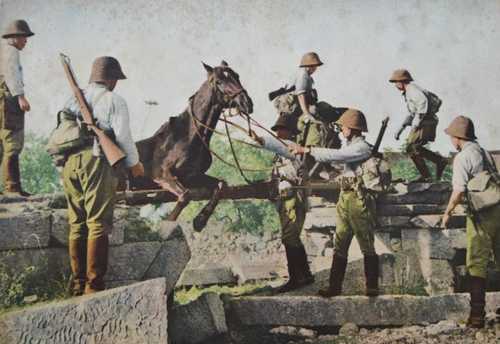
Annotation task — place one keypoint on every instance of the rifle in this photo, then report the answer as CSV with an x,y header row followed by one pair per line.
x,y
280,91
111,151
380,136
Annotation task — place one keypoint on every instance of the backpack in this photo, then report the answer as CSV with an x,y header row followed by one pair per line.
x,y
68,136
483,190
376,175
433,102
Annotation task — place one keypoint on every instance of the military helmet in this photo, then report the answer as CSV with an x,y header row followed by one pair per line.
x,y
353,119
310,59
106,68
400,75
17,28
461,127
286,121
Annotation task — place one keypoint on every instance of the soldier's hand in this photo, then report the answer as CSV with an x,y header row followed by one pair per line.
x,y
23,103
307,117
137,170
298,150
256,137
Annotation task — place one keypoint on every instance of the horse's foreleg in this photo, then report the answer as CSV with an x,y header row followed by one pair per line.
x,y
172,184
200,221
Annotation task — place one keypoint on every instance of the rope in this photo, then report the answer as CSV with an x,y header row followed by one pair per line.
x,y
249,182
197,130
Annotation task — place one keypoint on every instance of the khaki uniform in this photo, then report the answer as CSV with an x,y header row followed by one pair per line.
x,y
292,208
483,232
425,131
292,204
11,116
90,185
356,213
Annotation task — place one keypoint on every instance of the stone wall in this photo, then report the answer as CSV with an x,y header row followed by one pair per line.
x,y
36,234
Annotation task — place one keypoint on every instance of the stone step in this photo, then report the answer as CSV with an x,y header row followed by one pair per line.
x,y
387,310
131,314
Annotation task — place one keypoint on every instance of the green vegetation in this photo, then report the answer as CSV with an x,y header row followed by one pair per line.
x,y
17,286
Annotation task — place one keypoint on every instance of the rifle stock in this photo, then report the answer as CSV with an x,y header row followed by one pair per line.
x,y
111,151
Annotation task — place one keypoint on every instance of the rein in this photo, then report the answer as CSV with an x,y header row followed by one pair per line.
x,y
196,121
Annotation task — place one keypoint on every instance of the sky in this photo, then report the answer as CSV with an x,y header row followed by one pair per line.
x,y
450,47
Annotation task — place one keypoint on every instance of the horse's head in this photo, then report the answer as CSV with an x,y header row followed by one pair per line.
x,y
228,89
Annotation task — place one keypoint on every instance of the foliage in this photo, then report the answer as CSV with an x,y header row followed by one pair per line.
x,y
404,168
16,285
254,216
38,173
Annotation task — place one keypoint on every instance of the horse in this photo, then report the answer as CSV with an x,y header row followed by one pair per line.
x,y
177,156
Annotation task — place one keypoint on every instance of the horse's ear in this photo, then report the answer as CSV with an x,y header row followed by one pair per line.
x,y
224,64
207,67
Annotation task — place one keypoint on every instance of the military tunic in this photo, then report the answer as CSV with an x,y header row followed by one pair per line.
x,y
424,131
11,116
89,181
356,208
292,204
483,232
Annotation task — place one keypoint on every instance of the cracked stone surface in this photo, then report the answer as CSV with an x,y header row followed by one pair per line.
x,y
131,314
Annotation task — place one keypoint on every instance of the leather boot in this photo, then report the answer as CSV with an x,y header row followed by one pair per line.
x,y
293,267
97,264
305,276
12,177
371,275
437,159
477,302
78,262
425,175
337,272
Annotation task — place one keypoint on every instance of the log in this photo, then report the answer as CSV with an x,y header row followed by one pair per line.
x,y
263,190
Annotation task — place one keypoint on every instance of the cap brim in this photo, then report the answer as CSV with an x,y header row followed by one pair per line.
x,y
12,35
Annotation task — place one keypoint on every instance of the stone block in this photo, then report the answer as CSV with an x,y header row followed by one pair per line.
x,y
311,311
207,276
320,219
434,221
132,314
435,244
393,221
258,272
199,321
24,226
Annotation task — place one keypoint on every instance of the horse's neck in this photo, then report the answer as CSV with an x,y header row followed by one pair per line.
x,y
207,112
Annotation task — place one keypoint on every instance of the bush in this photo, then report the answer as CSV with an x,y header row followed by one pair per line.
x,y
38,173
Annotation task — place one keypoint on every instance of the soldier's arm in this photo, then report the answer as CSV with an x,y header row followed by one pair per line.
x,y
459,184
417,101
13,72
120,123
348,154
274,145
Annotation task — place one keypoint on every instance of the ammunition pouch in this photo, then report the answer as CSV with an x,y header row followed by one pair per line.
x,y
483,191
70,136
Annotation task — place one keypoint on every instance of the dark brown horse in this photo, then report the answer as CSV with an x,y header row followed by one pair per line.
x,y
176,157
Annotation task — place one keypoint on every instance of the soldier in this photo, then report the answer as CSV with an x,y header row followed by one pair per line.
x,y
483,232
90,182
291,205
308,126
356,213
13,105
424,105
